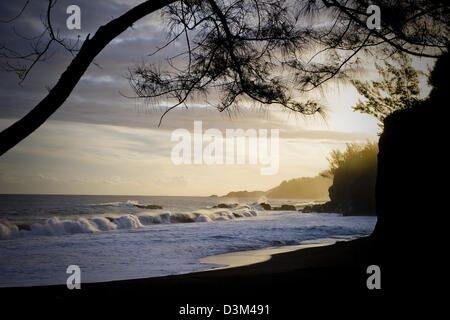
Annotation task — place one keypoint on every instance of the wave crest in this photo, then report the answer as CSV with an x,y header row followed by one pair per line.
x,y
57,227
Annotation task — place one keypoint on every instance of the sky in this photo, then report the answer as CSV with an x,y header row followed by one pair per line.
x,y
100,142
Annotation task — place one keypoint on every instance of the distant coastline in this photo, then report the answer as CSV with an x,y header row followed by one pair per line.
x,y
299,188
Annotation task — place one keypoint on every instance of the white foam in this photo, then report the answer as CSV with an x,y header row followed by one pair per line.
x,y
262,199
7,230
54,226
126,204
203,219
104,224
161,249
128,222
57,227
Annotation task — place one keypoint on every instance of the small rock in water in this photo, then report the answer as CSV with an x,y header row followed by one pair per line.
x,y
148,206
226,206
24,227
266,206
286,207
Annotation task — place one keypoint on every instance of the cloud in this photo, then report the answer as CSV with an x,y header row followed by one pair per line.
x,y
101,142
97,99
70,157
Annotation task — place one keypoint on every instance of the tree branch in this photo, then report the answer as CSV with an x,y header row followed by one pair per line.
x,y
68,80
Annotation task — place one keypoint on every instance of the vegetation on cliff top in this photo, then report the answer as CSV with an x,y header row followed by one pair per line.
x,y
354,174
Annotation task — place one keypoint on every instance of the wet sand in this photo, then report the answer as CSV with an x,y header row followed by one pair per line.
x,y
247,258
288,282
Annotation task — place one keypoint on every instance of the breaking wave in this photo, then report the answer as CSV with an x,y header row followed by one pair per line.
x,y
126,204
57,227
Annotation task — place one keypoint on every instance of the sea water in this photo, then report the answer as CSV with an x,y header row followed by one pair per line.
x,y
112,238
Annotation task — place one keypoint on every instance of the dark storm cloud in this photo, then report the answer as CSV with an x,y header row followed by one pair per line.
x,y
97,98
97,94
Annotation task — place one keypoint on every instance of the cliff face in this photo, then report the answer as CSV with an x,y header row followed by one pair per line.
x,y
353,189
410,161
410,229
353,186
403,166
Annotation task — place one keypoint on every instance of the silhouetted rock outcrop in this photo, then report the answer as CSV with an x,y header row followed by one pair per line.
x,y
410,149
410,231
354,175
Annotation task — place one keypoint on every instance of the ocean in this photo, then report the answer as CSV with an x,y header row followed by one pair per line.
x,y
117,237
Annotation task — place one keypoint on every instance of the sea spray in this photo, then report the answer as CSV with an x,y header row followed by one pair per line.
x,y
170,241
56,226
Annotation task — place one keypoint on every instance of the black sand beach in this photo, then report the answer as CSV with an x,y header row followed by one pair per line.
x,y
236,53
290,283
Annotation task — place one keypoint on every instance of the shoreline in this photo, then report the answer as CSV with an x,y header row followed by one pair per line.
x,y
251,257
289,282
287,261
222,261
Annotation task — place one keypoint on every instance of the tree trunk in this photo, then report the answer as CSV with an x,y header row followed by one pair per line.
x,y
69,79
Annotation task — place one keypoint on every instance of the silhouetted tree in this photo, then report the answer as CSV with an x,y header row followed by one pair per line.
x,y
398,89
264,51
